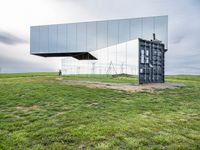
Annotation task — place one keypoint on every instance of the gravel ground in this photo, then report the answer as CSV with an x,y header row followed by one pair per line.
x,y
124,86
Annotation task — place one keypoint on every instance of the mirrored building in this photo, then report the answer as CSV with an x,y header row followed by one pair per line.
x,y
106,47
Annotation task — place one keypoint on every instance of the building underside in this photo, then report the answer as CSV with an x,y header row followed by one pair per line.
x,y
77,55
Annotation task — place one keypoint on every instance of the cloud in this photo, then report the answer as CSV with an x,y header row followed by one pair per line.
x,y
17,65
177,39
10,39
17,58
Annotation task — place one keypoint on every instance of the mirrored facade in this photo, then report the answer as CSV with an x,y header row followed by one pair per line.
x,y
91,36
106,47
118,59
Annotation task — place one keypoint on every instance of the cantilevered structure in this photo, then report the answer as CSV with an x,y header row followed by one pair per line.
x,y
99,43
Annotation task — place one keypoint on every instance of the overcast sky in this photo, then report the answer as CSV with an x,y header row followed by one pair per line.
x,y
183,56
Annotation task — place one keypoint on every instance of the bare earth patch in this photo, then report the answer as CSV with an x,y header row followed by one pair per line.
x,y
124,86
26,109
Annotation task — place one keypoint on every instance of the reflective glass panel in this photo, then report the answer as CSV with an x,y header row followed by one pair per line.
x,y
101,34
136,28
44,33
62,38
113,32
71,37
161,29
52,38
148,28
81,36
91,36
124,33
35,38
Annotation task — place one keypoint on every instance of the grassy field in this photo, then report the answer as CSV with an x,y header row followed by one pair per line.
x,y
39,111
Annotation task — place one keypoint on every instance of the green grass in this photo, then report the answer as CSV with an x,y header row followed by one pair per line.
x,y
38,111
34,74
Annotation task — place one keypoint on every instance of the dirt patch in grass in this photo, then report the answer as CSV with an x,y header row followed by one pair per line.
x,y
93,104
124,86
26,109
